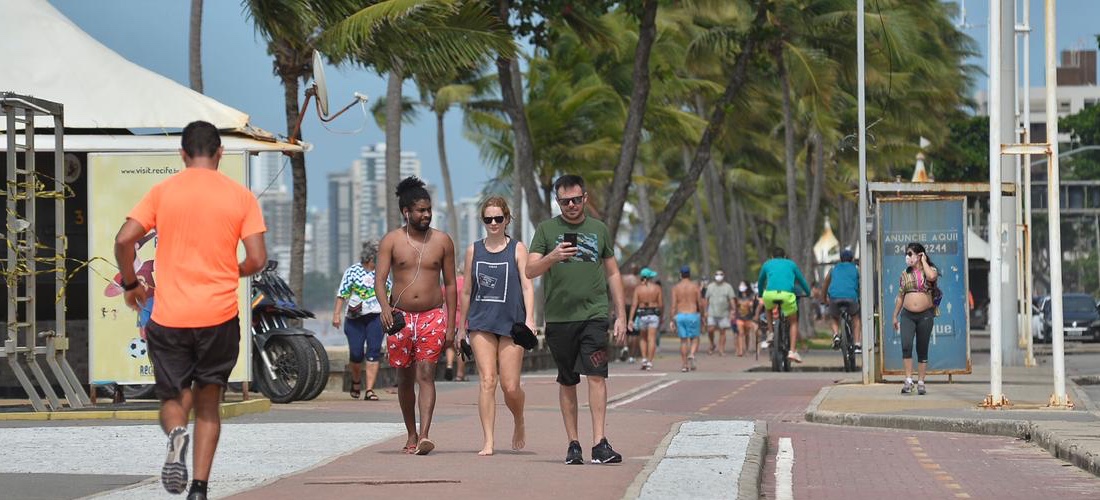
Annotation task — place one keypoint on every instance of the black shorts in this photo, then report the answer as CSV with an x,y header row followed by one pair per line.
x,y
185,356
835,304
579,348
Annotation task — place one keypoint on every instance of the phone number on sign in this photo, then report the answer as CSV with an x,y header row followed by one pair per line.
x,y
946,248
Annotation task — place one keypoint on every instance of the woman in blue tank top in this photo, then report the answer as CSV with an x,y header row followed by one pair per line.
x,y
496,296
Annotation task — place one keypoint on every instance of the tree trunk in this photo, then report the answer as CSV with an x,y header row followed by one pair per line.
x,y
632,132
817,184
393,145
194,58
738,243
719,222
445,171
703,236
794,228
511,93
734,84
298,188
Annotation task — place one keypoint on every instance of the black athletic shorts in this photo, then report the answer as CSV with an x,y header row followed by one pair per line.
x,y
185,356
579,348
835,305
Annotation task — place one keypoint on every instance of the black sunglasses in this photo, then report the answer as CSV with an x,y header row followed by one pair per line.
x,y
499,219
576,200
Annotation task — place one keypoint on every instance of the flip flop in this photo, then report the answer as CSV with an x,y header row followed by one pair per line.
x,y
424,447
409,450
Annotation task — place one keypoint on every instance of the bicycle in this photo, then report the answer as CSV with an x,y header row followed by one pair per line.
x,y
847,339
781,338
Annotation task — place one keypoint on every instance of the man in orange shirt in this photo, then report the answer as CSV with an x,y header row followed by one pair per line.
x,y
200,216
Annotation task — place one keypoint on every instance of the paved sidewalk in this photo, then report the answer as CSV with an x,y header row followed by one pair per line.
x,y
1069,434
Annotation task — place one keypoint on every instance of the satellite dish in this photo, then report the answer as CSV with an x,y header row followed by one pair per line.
x,y
320,87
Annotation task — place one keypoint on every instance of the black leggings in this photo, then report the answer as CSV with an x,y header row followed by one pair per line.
x,y
917,324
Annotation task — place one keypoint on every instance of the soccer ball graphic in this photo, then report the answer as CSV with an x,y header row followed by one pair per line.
x,y
138,349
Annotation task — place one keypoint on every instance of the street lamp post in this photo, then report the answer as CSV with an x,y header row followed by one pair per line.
x,y
865,273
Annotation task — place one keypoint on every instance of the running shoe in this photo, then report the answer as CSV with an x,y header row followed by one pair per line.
x,y
174,474
196,495
836,342
623,353
630,360
691,363
448,374
907,387
764,344
794,356
574,456
920,389
859,349
603,454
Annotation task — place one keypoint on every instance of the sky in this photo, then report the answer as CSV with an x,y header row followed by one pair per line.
x,y
237,72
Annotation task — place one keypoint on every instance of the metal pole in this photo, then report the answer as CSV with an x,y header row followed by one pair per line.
x,y
1011,353
1029,277
1054,209
865,260
996,316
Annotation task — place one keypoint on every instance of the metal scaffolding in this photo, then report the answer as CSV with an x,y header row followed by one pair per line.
x,y
20,266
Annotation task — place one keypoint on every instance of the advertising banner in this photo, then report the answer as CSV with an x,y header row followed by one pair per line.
x,y
938,223
116,334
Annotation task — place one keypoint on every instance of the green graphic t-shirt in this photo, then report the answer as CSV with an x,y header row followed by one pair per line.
x,y
576,289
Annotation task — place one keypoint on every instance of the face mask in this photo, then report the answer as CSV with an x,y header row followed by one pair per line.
x,y
743,288
719,278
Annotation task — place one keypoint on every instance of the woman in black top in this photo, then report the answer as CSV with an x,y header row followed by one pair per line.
x,y
496,296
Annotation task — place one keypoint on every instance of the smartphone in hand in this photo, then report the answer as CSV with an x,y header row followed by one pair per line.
x,y
571,238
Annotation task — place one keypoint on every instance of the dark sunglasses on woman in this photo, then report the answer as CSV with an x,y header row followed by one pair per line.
x,y
499,219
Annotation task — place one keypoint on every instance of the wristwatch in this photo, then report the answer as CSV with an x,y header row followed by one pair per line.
x,y
129,286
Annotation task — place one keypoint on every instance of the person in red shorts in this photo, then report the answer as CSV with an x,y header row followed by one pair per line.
x,y
200,216
417,255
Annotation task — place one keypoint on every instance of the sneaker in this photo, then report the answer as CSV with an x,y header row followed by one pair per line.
x,y
920,389
858,349
574,456
603,454
793,356
764,344
449,374
630,360
691,363
836,342
623,353
174,474
907,387
196,495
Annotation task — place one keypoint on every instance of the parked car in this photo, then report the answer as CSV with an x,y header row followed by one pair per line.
x,y
1080,315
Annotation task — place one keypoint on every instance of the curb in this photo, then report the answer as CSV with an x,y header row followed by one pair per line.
x,y
748,484
227,410
635,488
1064,448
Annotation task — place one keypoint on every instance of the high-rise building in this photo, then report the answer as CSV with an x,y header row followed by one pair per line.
x,y
277,208
345,238
268,172
376,192
317,258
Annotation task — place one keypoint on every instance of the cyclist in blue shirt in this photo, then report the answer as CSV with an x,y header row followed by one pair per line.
x,y
842,290
778,279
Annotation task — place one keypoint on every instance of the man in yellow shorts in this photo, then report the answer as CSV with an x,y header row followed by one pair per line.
x,y
778,278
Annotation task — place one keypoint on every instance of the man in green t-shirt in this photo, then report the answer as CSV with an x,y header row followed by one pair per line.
x,y
574,253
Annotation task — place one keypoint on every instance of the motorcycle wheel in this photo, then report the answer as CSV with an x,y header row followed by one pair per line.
x,y
292,359
320,369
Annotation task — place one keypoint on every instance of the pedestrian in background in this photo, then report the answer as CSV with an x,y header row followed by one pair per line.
x,y
194,334
747,306
497,297
575,253
915,313
719,299
647,305
362,326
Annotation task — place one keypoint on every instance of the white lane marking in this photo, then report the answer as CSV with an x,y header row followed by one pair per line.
x,y
613,375
642,394
703,461
784,467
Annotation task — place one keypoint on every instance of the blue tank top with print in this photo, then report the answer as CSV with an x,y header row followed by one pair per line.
x,y
496,295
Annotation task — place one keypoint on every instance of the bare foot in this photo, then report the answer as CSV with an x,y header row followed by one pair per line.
x,y
486,451
519,437
410,444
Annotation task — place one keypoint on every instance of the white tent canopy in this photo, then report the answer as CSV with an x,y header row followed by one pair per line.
x,y
46,55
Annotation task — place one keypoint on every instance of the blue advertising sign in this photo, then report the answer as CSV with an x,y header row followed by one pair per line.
x,y
940,225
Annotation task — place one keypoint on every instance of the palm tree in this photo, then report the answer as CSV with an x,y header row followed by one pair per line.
x,y
415,38
290,27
